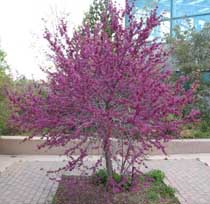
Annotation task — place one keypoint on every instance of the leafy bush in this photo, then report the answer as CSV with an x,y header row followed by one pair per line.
x,y
157,175
200,130
5,82
190,49
157,186
153,196
117,177
190,55
158,189
102,176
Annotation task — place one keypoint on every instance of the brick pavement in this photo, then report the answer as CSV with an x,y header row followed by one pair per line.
x,y
27,183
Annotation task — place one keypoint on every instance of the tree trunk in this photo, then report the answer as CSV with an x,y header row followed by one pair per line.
x,y
106,146
108,163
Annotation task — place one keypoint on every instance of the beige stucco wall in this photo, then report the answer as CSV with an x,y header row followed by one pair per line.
x,y
13,145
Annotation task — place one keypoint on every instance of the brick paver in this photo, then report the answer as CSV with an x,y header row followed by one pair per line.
x,y
27,183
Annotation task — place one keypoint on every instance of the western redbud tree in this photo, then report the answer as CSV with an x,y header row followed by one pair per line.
x,y
109,92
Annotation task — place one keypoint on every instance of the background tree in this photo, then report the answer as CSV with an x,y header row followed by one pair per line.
x,y
190,54
191,49
96,12
5,82
108,92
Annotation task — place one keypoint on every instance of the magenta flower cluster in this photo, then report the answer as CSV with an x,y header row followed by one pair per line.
x,y
110,91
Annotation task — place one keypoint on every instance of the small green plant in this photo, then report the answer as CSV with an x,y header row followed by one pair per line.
x,y
117,177
158,189
102,176
157,175
167,191
153,196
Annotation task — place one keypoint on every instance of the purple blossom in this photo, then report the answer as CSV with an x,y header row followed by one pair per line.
x,y
105,89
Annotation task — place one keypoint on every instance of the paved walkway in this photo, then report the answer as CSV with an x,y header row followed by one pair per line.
x,y
25,182
190,178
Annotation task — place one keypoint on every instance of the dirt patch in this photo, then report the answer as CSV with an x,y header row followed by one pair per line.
x,y
83,190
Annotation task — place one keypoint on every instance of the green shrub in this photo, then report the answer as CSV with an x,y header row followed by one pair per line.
x,y
157,175
152,196
158,189
117,177
102,176
204,126
167,191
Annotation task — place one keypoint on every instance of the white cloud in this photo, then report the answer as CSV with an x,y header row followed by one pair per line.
x,y
21,29
20,24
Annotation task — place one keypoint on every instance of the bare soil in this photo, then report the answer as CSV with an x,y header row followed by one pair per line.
x,y
83,190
